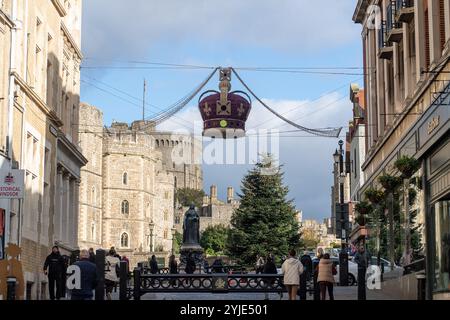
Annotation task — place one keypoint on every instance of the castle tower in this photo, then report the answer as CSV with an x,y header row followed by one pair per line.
x,y
91,142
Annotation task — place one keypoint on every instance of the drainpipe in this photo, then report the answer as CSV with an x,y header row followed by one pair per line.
x,y
12,67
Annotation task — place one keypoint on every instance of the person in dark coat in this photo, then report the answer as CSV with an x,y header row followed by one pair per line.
x,y
269,268
154,269
173,265
91,255
217,266
190,265
54,268
88,281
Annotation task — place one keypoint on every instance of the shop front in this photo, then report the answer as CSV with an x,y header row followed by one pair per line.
x,y
434,151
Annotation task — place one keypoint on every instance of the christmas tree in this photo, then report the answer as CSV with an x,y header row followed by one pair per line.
x,y
265,222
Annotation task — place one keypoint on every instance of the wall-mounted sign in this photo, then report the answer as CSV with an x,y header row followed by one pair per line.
x,y
12,184
433,124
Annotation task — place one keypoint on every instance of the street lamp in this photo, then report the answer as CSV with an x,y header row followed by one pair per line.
x,y
343,255
151,227
174,232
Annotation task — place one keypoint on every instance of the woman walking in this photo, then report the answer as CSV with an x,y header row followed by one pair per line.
x,y
112,275
325,278
292,268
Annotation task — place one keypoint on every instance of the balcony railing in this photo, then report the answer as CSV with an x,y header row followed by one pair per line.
x,y
404,10
384,46
394,30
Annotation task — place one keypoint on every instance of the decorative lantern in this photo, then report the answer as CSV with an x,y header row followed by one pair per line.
x,y
224,113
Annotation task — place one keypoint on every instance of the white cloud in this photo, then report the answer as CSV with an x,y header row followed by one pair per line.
x,y
116,28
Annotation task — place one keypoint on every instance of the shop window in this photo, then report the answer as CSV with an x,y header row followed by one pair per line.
x,y
442,245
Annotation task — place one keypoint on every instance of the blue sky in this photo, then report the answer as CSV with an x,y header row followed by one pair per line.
x,y
252,33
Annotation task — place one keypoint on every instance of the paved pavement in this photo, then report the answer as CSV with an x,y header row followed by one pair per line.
x,y
340,293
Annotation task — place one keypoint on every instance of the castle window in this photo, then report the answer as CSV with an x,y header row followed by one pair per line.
x,y
125,207
166,195
157,143
162,143
125,178
166,215
124,240
166,233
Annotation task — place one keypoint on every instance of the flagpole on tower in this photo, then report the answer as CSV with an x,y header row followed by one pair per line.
x,y
143,101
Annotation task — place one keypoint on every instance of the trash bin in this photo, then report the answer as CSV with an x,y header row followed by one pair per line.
x,y
421,286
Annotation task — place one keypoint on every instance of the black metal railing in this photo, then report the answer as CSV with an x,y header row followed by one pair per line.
x,y
391,21
403,4
201,283
382,35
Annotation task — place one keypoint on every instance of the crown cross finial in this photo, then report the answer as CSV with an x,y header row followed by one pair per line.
x,y
207,110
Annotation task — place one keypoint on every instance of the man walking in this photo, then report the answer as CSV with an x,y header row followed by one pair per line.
x,y
88,281
54,268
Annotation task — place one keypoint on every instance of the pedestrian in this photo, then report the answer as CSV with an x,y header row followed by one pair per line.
x,y
91,255
116,255
292,268
125,259
88,282
362,260
206,267
217,266
325,278
306,275
173,269
190,265
54,268
154,269
259,264
269,268
112,273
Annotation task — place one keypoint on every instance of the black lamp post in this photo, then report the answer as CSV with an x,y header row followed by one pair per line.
x,y
341,217
151,226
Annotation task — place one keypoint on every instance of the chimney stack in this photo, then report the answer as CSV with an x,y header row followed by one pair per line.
x,y
213,193
230,194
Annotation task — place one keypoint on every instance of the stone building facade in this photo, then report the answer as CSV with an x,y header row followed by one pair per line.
x,y
40,59
128,187
213,211
407,94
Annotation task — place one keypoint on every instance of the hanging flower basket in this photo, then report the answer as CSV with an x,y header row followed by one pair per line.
x,y
363,208
375,196
390,183
407,166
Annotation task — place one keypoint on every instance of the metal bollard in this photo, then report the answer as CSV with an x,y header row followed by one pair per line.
x,y
123,280
11,288
362,283
137,284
